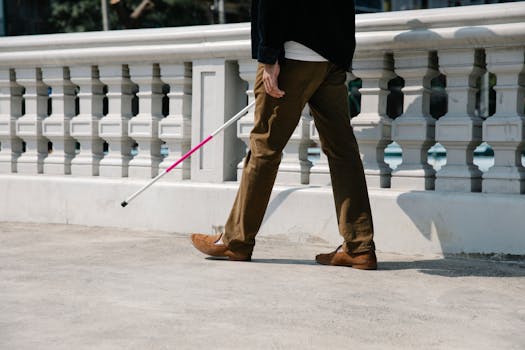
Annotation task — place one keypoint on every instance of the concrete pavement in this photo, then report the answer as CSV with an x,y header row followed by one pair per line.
x,y
76,287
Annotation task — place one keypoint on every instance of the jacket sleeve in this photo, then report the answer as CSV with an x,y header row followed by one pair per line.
x,y
271,30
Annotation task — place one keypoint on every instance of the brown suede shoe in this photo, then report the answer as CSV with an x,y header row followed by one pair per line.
x,y
207,245
362,261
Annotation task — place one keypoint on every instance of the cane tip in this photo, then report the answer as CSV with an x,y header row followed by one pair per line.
x,y
123,204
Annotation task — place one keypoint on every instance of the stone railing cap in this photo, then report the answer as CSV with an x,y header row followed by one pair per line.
x,y
482,26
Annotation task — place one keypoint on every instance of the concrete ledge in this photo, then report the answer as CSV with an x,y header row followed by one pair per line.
x,y
405,222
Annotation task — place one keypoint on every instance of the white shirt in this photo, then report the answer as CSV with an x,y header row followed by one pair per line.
x,y
296,51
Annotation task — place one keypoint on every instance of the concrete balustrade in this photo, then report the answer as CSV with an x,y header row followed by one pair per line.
x,y
56,127
221,94
10,111
29,126
372,127
144,127
113,128
414,129
175,129
459,131
505,131
211,76
84,127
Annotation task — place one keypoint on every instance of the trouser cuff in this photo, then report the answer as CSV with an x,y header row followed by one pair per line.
x,y
359,247
238,246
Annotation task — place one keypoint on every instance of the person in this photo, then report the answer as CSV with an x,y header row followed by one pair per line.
x,y
304,49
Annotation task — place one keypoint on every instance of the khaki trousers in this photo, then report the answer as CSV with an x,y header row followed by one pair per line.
x,y
322,86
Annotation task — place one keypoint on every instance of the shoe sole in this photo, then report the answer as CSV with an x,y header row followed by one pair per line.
x,y
354,266
203,246
231,258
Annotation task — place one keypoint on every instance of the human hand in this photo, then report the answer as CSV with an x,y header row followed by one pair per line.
x,y
270,77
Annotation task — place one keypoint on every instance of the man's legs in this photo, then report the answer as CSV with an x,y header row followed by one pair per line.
x,y
275,121
329,107
323,86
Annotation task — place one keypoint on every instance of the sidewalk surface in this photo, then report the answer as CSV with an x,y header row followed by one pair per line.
x,y
75,287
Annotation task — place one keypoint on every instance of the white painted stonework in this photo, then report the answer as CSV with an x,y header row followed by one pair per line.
x,y
113,127
10,111
144,127
218,94
405,222
91,80
372,127
56,127
505,130
459,131
175,129
84,126
414,129
29,125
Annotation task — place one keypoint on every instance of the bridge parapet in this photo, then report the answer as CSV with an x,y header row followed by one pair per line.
x,y
133,101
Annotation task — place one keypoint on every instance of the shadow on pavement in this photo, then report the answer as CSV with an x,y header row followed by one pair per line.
x,y
285,261
273,261
448,267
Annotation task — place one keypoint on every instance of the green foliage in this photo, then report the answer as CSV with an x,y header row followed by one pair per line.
x,y
85,15
173,13
76,16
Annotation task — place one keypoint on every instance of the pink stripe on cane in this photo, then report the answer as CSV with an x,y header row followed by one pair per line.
x,y
189,153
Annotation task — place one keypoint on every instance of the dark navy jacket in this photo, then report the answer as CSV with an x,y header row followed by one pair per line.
x,y
325,26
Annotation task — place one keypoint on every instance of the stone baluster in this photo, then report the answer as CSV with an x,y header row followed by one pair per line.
x,y
113,128
144,128
414,129
218,94
29,126
505,130
84,127
56,126
175,129
295,166
459,131
372,126
248,72
10,111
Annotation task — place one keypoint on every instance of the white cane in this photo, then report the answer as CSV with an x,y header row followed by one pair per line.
x,y
189,153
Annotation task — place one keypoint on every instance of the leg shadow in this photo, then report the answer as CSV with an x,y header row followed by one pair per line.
x,y
459,267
